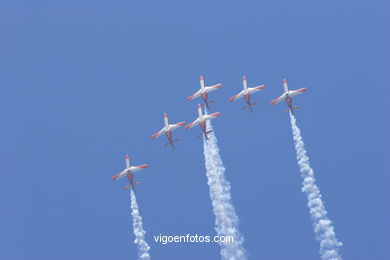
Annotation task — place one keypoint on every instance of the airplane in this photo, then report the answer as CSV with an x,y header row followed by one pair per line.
x,y
287,96
246,93
167,129
203,92
129,173
201,121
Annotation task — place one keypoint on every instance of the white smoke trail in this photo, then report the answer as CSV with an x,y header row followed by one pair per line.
x,y
139,232
323,228
226,220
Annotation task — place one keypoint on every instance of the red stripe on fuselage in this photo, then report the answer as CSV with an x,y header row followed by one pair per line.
x,y
168,134
247,98
289,101
130,177
204,97
202,125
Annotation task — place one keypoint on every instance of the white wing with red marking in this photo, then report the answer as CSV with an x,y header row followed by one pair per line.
x,y
119,175
277,100
195,95
138,168
297,92
238,96
158,133
212,88
195,123
174,126
255,89
211,116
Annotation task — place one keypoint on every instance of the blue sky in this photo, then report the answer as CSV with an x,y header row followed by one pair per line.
x,y
85,82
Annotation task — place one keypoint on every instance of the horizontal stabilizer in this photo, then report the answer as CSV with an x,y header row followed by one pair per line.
x,y
295,107
249,106
171,143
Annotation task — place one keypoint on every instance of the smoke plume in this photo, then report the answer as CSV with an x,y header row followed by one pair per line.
x,y
226,220
139,232
323,228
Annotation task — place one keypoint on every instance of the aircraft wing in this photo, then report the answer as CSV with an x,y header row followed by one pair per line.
x,y
255,89
119,175
239,95
277,100
138,168
174,126
298,91
195,95
158,133
195,123
211,116
212,88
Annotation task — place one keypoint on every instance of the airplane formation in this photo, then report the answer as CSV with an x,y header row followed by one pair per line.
x,y
246,93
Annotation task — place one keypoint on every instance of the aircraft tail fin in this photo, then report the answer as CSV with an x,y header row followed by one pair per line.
x,y
171,143
132,185
249,106
292,109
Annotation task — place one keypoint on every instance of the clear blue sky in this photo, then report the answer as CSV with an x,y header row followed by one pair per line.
x,y
85,82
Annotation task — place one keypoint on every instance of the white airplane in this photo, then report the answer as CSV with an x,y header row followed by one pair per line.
x,y
203,91
167,129
129,173
246,93
201,121
287,96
